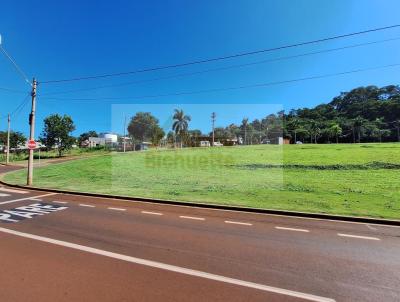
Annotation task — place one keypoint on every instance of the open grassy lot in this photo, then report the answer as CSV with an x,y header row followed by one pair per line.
x,y
359,179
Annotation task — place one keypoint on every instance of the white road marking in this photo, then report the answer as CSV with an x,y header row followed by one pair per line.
x,y
191,217
27,198
60,202
292,229
36,199
237,222
4,195
86,205
13,190
358,237
152,213
265,214
172,268
117,209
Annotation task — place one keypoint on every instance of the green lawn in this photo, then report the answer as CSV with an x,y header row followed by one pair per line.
x,y
360,179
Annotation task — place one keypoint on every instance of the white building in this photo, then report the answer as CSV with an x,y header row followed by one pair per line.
x,y
104,139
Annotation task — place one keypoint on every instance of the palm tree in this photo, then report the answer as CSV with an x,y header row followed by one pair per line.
x,y
335,130
181,124
358,125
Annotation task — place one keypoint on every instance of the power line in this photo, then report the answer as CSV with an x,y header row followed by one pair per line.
x,y
230,88
17,68
17,109
222,68
201,61
12,90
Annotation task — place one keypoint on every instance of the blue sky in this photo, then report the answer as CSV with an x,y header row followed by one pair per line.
x,y
63,39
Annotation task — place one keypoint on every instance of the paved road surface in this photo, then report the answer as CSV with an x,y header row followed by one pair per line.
x,y
68,248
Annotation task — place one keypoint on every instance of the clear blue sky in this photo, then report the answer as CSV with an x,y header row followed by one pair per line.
x,y
63,39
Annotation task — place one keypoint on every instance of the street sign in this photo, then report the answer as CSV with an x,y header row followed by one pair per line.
x,y
31,144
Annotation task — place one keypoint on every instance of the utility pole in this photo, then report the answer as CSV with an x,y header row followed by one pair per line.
x,y
125,134
32,133
8,141
213,117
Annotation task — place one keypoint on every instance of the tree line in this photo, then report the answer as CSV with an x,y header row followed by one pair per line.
x,y
364,114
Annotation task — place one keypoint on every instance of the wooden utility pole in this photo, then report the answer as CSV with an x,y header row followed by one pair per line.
x,y
8,141
213,117
32,133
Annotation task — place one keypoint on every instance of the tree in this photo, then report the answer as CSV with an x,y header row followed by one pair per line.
x,y
397,126
245,123
335,131
142,126
157,133
314,130
56,133
85,136
181,124
294,124
358,124
171,137
16,138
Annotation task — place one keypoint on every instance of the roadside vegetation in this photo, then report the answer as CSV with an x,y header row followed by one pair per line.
x,y
345,179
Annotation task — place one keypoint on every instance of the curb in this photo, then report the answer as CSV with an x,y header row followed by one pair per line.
x,y
219,207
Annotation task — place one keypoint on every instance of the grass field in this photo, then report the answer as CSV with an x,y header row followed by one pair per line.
x,y
359,179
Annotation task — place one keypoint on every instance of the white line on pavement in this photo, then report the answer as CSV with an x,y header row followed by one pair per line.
x,y
237,222
191,217
292,229
371,227
4,195
13,191
60,202
36,199
358,237
152,213
27,198
117,209
86,205
172,268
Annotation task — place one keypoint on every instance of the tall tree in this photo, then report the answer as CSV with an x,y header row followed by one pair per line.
x,y
335,131
56,133
181,124
142,126
244,126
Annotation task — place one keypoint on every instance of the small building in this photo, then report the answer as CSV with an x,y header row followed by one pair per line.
x,y
104,139
143,146
94,142
283,141
205,144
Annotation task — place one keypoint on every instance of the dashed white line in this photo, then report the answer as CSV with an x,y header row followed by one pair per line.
x,y
152,213
191,217
36,199
27,198
86,205
60,202
169,267
358,237
238,222
292,229
117,209
13,191
4,195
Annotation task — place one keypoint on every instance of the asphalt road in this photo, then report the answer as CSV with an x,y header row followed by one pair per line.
x,y
57,247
